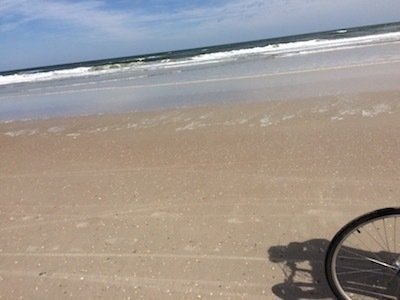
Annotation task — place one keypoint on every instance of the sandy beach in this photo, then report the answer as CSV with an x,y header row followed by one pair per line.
x,y
220,201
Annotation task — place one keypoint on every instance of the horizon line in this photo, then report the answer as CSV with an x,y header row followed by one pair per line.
x,y
103,61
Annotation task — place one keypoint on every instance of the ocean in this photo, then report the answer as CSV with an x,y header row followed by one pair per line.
x,y
185,77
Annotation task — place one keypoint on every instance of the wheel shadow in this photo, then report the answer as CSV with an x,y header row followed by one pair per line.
x,y
303,266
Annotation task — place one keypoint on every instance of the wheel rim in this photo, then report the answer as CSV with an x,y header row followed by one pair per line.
x,y
366,264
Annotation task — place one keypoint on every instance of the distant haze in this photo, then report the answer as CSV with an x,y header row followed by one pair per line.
x,y
43,32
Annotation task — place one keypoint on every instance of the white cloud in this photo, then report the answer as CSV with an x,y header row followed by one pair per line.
x,y
135,21
87,15
251,19
95,16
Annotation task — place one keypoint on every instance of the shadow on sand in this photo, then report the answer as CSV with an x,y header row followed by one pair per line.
x,y
303,266
368,274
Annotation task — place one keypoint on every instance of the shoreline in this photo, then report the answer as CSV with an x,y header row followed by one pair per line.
x,y
355,98
251,118
308,76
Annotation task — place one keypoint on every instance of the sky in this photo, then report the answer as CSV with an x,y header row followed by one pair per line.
x,y
46,32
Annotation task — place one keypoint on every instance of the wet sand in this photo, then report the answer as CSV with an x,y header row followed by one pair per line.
x,y
219,201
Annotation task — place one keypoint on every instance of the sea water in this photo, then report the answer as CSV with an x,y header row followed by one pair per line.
x,y
252,71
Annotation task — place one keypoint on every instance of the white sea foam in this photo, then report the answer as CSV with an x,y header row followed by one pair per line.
x,y
16,133
283,49
43,76
265,121
376,110
302,47
56,129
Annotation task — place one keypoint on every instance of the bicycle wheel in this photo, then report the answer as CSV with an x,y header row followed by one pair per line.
x,y
363,258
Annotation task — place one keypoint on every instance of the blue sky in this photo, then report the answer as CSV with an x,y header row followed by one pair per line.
x,y
44,32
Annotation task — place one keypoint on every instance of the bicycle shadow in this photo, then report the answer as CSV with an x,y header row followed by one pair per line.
x,y
303,266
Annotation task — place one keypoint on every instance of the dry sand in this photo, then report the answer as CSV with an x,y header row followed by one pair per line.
x,y
216,202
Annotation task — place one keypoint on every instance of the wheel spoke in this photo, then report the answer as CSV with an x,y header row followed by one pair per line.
x,y
368,248
394,234
360,271
362,259
386,236
370,259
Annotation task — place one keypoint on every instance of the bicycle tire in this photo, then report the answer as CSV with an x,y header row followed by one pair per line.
x,y
346,264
